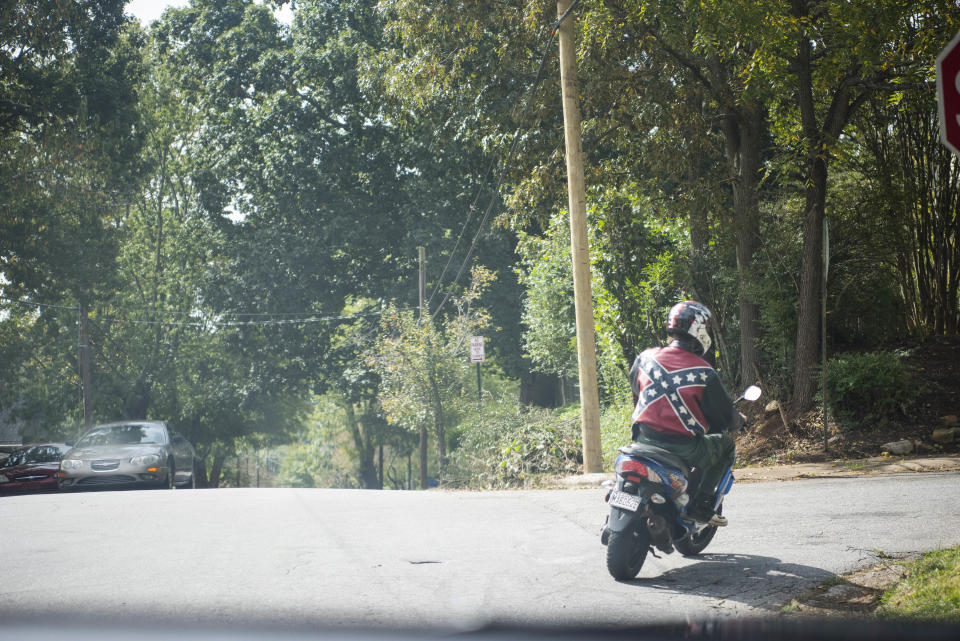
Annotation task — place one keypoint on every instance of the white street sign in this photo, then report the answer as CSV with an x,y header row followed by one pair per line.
x,y
476,349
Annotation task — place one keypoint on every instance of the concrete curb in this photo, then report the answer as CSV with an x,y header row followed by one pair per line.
x,y
851,468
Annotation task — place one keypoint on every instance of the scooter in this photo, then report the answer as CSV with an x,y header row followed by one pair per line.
x,y
648,506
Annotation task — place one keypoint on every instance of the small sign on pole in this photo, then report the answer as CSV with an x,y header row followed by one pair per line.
x,y
476,356
476,349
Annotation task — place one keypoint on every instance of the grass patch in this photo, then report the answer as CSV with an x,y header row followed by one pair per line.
x,y
791,608
929,591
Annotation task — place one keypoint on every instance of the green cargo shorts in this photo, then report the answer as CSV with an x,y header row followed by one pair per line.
x,y
712,454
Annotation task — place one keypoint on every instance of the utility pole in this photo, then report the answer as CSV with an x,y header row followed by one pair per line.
x,y
823,328
423,428
84,355
580,250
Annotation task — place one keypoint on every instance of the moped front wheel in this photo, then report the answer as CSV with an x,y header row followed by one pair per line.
x,y
626,552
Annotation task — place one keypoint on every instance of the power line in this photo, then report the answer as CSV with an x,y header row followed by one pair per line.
x,y
32,304
251,323
310,317
506,163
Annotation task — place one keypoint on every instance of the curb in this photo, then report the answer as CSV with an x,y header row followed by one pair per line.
x,y
848,468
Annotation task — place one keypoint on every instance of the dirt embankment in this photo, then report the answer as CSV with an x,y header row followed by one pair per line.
x,y
776,439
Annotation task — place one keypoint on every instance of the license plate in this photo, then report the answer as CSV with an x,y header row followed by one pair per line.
x,y
624,501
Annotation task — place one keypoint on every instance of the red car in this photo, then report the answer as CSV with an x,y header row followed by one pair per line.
x,y
33,468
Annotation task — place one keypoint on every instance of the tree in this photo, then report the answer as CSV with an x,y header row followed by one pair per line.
x,y
70,134
833,56
424,370
918,182
50,58
714,65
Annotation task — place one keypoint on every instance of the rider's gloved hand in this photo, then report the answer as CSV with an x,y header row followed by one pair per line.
x,y
738,423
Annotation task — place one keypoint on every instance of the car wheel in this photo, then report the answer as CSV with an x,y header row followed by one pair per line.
x,y
171,474
190,484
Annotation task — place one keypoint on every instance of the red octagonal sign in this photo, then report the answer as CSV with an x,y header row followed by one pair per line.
x,y
948,94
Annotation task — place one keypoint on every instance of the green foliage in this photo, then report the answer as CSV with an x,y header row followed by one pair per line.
x,y
636,279
224,168
546,274
425,369
315,457
615,423
507,446
911,213
868,389
930,591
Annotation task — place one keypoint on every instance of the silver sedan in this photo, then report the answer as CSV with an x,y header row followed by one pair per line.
x,y
128,454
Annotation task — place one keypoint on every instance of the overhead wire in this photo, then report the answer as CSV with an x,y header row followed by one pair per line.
x,y
310,317
279,318
506,163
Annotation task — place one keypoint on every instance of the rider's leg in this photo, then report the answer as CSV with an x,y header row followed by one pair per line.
x,y
714,455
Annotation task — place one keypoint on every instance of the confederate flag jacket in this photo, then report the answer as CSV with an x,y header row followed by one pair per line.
x,y
679,396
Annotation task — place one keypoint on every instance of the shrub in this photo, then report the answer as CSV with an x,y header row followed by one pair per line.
x,y
506,446
866,389
615,430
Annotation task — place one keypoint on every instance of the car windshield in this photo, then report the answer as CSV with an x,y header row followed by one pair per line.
x,y
125,434
16,458
43,454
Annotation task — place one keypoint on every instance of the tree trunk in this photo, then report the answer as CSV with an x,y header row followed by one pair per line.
x,y
808,320
200,471
217,469
698,220
200,466
816,137
439,426
743,131
363,443
423,457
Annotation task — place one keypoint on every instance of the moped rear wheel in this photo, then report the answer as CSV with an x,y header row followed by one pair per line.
x,y
696,543
626,552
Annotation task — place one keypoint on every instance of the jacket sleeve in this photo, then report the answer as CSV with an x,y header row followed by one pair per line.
x,y
718,408
634,378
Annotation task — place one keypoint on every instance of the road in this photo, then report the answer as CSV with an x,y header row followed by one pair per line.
x,y
445,559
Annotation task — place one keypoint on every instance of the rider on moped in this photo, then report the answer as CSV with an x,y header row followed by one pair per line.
x,y
683,407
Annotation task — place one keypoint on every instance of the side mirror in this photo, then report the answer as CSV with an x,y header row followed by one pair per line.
x,y
752,393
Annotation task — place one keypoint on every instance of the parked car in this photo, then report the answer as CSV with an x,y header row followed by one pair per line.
x,y
128,454
32,469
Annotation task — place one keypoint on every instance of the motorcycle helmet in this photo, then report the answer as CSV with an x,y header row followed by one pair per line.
x,y
689,323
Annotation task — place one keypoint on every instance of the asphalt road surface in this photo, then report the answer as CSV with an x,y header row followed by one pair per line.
x,y
439,559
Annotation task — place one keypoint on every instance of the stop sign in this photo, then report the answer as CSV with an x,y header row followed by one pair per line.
x,y
948,94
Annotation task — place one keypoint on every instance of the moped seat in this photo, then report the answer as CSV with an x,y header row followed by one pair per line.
x,y
657,454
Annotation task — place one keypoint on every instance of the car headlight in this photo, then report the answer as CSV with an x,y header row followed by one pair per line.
x,y
68,464
147,460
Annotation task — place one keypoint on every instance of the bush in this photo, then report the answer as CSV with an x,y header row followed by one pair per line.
x,y
867,389
507,446
615,430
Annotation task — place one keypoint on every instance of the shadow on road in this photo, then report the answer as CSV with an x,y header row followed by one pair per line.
x,y
756,581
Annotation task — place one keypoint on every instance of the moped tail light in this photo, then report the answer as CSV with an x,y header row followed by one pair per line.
x,y
634,469
627,465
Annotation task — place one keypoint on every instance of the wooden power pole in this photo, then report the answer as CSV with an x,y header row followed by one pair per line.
x,y
423,428
580,250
